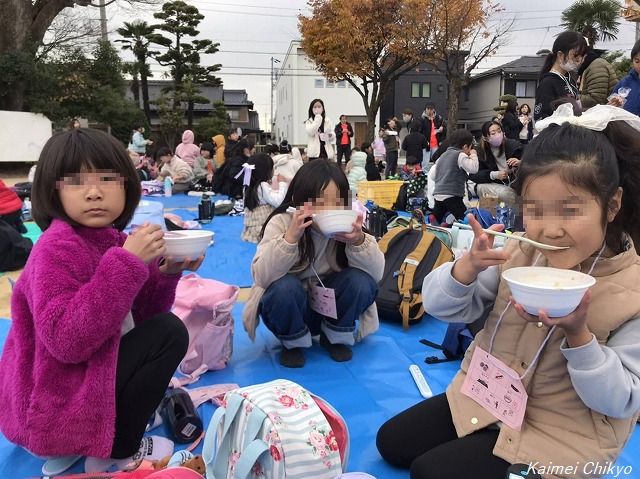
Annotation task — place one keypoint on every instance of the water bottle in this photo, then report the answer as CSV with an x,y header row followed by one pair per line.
x,y
205,210
26,210
168,185
180,417
504,215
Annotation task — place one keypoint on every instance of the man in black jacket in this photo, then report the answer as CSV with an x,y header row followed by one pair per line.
x,y
414,144
344,133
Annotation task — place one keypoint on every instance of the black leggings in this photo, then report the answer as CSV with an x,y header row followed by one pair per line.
x,y
424,439
149,355
455,205
343,150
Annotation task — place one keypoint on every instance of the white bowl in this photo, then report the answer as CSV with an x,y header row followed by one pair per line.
x,y
556,291
187,244
331,222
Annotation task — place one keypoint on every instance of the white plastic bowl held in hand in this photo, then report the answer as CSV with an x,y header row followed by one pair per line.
x,y
556,291
187,244
332,222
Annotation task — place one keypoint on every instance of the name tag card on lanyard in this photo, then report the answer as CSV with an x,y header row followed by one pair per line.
x,y
323,300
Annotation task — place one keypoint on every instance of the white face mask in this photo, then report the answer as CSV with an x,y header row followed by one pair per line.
x,y
570,65
317,111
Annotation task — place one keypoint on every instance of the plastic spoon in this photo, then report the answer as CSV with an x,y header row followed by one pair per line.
x,y
514,237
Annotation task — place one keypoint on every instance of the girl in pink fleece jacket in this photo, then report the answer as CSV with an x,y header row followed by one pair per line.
x,y
92,344
187,150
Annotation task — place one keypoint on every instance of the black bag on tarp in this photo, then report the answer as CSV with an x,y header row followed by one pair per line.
x,y
14,248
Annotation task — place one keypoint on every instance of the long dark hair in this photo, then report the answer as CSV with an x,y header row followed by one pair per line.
x,y
312,116
596,162
262,172
565,42
486,147
307,185
70,152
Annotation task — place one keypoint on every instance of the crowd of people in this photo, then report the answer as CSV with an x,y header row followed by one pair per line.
x,y
92,362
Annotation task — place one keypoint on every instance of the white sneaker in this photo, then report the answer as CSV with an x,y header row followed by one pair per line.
x,y
57,465
152,448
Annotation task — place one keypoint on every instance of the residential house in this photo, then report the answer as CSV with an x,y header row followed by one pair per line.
x,y
240,111
298,82
479,98
239,107
414,90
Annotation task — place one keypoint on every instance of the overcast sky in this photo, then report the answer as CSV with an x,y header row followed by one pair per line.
x,y
250,32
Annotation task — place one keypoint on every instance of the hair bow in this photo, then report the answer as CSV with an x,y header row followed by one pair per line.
x,y
246,169
596,118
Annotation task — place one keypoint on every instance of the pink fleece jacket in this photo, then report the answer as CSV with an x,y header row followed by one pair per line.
x,y
186,150
58,367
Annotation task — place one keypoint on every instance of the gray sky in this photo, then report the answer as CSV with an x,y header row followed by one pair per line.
x,y
250,32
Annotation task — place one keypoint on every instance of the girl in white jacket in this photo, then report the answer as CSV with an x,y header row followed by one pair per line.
x,y
321,138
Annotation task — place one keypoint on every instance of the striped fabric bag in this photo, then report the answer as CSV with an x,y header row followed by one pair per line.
x,y
275,430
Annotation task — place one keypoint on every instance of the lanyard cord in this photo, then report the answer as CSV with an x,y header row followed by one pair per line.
x,y
551,331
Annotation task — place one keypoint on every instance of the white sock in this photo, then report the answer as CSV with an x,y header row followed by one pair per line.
x,y
152,448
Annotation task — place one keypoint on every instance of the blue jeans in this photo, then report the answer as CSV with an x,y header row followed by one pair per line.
x,y
286,311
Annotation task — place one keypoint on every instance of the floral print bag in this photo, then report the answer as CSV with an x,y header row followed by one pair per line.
x,y
275,430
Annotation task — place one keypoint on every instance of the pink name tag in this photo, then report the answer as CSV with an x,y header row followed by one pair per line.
x,y
323,301
497,388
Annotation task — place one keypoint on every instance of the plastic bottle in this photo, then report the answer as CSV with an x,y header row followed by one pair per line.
x,y
26,210
168,186
504,215
205,210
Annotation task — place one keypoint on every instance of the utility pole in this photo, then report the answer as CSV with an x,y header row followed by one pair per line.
x,y
103,22
272,84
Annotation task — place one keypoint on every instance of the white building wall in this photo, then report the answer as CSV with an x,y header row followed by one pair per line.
x,y
298,83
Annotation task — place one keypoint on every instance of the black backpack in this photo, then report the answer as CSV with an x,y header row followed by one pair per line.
x,y
410,255
377,221
456,341
14,248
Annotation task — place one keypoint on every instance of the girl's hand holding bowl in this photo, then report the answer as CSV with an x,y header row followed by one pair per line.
x,y
168,266
146,242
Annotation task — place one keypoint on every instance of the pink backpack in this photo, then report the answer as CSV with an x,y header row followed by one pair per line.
x,y
204,305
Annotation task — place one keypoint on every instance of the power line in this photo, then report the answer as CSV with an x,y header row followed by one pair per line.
x,y
210,2
247,13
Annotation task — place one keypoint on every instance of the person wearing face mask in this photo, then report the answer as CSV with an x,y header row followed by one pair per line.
x,y
320,132
557,74
499,158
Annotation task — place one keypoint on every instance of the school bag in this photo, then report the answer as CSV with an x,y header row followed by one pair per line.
x,y
456,341
204,305
275,430
409,256
484,217
377,220
14,248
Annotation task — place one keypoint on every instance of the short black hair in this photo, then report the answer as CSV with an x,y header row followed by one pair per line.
x,y
635,50
412,160
460,138
209,147
365,146
232,131
285,147
163,151
70,152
